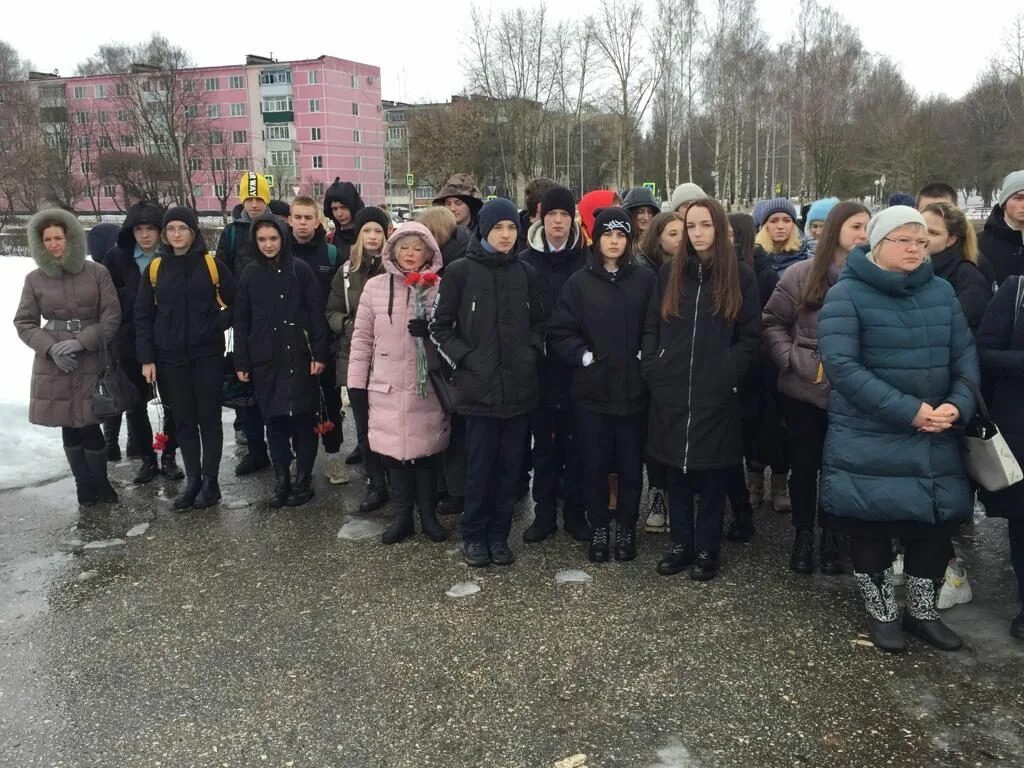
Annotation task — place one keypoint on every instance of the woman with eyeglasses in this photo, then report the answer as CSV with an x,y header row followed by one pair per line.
x,y
901,360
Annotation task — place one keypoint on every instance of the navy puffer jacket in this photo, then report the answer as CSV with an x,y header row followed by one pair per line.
x,y
890,341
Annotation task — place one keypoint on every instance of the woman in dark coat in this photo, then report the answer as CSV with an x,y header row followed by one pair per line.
x,y
181,312
281,344
702,334
953,249
68,311
1001,347
901,361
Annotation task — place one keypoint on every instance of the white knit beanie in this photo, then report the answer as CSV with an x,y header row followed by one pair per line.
x,y
685,193
1012,184
894,217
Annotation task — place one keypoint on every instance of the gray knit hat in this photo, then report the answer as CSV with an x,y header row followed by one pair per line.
x,y
893,217
685,193
1012,184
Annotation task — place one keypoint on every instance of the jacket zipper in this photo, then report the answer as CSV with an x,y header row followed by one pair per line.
x,y
693,347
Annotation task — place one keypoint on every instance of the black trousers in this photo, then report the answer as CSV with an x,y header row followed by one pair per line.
x,y
923,556
556,463
286,432
332,405
412,483
193,392
454,460
360,402
1015,530
250,419
140,431
610,443
738,493
88,437
494,456
807,425
701,531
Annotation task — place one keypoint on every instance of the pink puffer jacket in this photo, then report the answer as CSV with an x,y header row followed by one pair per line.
x,y
382,359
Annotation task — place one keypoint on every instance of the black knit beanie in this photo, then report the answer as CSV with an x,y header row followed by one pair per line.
x,y
611,219
182,214
368,214
558,199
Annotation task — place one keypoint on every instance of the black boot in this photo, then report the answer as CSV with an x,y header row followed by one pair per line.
x,y
376,495
403,490
302,488
879,593
187,497
255,460
209,494
575,523
598,551
451,505
111,436
922,619
542,527
282,486
831,558
705,567
801,560
169,466
147,471
84,485
741,530
679,558
355,457
97,461
625,543
426,502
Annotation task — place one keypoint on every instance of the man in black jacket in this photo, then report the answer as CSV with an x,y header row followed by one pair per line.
x,y
341,204
556,252
1002,242
488,325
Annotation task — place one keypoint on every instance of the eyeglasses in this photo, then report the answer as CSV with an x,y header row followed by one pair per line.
x,y
177,230
907,242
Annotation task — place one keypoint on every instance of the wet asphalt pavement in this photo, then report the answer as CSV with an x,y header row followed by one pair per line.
x,y
244,636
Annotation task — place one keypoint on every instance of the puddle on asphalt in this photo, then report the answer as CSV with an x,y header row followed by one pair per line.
x,y
573,576
359,528
463,589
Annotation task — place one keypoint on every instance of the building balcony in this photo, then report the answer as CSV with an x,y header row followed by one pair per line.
x,y
278,117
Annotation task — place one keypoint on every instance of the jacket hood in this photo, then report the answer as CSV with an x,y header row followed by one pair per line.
x,y
74,254
144,212
535,239
319,235
462,186
640,197
476,251
282,229
590,204
996,226
343,192
860,267
595,266
100,239
434,264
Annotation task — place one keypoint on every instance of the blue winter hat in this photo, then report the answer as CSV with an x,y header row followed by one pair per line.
x,y
820,209
493,211
902,198
765,209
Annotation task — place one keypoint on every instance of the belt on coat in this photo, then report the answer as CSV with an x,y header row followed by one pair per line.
x,y
71,326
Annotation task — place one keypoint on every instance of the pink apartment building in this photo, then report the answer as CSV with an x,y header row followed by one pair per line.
x,y
302,122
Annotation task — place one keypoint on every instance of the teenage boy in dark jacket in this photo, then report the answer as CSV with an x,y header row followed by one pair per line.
x,y
488,324
597,328
1002,242
341,204
556,252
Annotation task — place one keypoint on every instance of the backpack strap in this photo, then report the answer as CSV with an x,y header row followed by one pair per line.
x,y
154,269
346,271
332,255
231,239
211,267
1020,298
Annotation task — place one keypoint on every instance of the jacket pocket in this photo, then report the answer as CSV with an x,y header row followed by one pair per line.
x,y
470,381
591,382
635,388
378,386
805,361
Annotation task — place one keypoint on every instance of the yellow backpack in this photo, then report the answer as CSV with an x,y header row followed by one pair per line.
x,y
211,267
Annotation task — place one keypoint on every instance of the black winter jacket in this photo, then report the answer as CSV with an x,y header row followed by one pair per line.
x,y
343,192
235,247
604,313
315,254
456,246
488,324
973,291
1003,247
553,270
280,326
759,388
693,365
181,320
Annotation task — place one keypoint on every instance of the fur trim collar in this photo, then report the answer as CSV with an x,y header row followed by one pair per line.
x,y
74,255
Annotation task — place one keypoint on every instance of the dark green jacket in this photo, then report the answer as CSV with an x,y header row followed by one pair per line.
x,y
890,341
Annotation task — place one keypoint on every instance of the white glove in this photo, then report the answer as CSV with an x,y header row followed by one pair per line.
x,y
588,358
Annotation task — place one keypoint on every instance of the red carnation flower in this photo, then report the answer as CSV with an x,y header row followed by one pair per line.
x,y
413,278
160,441
429,278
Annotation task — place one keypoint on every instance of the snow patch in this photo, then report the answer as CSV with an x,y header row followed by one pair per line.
x,y
359,528
137,530
463,589
104,544
572,576
675,756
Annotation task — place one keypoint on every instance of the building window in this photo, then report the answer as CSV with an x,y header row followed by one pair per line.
x,y
275,76
220,191
239,137
240,164
83,142
213,110
313,76
277,104
315,134
81,118
355,108
217,164
216,137
238,110
396,132
237,81
88,190
355,81
192,111
102,116
318,189
127,140
282,157
213,83
356,137
314,105
359,187
79,91
318,161
103,142
121,89
195,164
109,190
122,115
279,132
86,168
100,92
188,85
358,163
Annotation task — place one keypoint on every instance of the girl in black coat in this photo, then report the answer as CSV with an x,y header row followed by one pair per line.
x,y
702,334
282,345
1001,348
953,249
596,329
181,312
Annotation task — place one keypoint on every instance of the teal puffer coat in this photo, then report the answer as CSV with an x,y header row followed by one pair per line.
x,y
890,341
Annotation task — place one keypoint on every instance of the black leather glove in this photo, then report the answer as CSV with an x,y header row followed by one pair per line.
x,y
419,328
66,363
67,347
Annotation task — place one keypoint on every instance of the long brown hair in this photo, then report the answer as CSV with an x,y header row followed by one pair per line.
x,y
650,243
959,227
725,278
825,253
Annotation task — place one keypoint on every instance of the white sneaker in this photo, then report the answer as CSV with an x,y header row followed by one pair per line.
x,y
956,588
336,471
657,514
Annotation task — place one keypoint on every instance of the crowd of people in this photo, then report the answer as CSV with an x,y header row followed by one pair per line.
x,y
823,366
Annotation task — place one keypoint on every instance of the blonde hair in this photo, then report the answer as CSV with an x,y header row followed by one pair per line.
x,y
440,221
355,257
959,227
792,245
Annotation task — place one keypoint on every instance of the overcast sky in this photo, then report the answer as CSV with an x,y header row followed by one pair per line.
x,y
420,45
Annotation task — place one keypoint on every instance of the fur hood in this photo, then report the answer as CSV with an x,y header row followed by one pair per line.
x,y
74,255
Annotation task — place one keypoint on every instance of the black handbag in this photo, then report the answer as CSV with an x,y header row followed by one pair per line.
x,y
114,393
235,393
